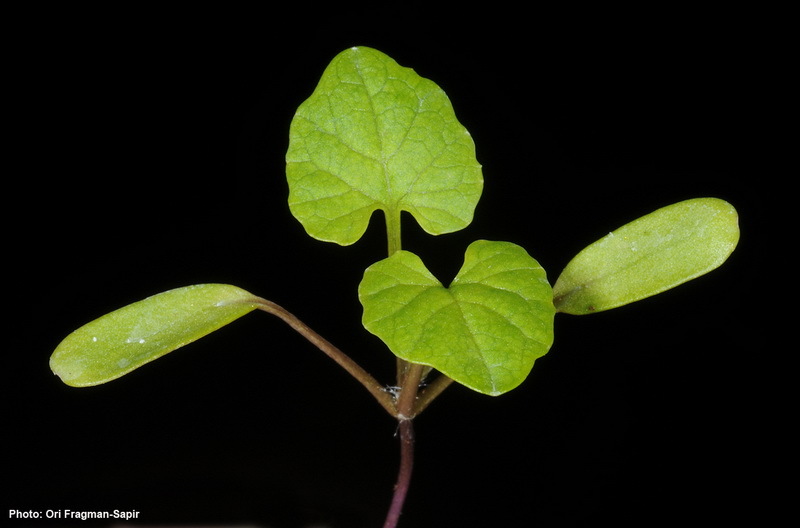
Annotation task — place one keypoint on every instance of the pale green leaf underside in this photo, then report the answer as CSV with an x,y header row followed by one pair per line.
x,y
375,135
652,254
125,339
485,331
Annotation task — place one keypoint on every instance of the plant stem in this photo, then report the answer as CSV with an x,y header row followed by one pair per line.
x,y
370,383
404,476
405,414
393,222
393,237
407,399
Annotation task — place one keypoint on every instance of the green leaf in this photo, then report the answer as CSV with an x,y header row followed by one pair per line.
x,y
375,135
485,331
126,339
657,252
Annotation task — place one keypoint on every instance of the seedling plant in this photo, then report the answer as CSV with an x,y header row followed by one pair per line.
x,y
377,136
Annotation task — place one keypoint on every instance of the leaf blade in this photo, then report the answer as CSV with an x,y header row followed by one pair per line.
x,y
485,331
125,339
377,136
650,255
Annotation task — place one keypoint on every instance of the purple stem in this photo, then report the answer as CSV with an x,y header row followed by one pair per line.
x,y
404,475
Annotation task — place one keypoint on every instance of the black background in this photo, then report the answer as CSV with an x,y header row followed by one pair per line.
x,y
152,151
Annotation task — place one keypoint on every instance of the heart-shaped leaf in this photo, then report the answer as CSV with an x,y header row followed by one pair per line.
x,y
654,253
125,339
375,135
485,331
